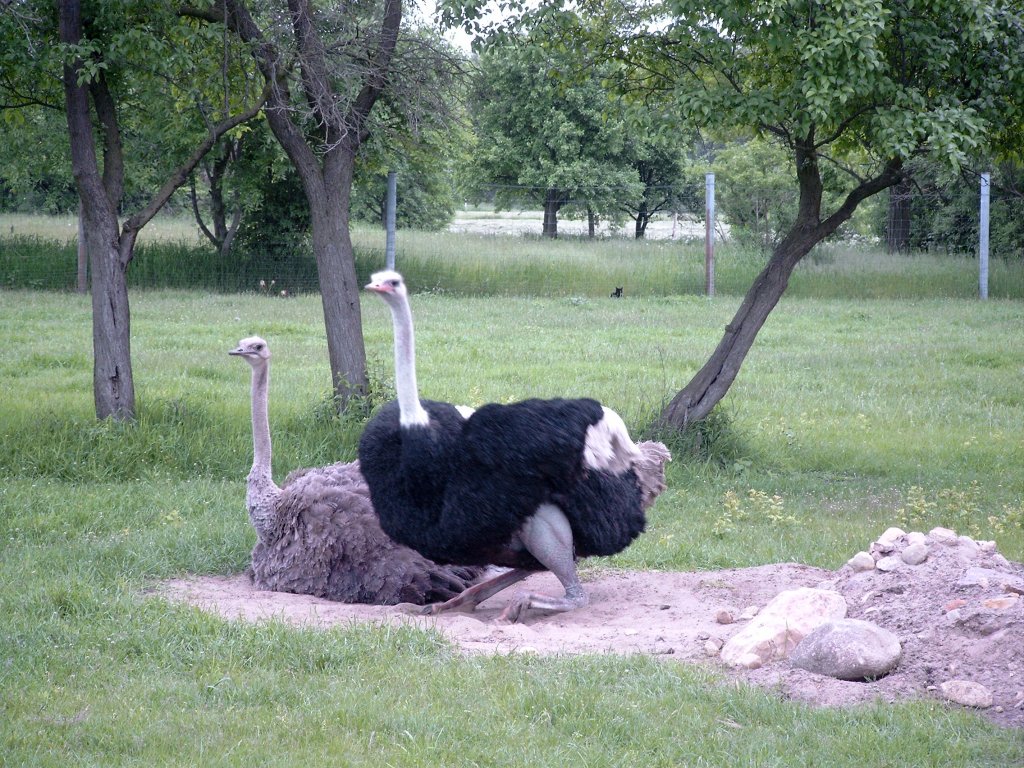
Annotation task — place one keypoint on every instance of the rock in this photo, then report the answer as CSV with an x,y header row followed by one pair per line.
x,y
952,605
943,536
890,536
916,537
848,649
781,625
915,554
1001,603
724,617
713,646
987,577
862,561
967,547
749,612
889,563
968,693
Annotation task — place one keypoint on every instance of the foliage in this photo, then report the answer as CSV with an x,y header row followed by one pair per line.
x,y
547,132
944,210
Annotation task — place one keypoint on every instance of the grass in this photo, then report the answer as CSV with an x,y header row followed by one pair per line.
x,y
848,416
169,255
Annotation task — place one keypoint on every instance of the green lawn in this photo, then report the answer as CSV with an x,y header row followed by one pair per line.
x,y
856,414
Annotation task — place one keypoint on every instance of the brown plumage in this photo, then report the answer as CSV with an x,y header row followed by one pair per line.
x,y
318,534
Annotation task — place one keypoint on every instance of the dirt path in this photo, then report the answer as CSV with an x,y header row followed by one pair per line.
x,y
674,615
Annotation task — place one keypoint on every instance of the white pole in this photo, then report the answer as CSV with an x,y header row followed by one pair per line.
x,y
390,215
709,234
983,239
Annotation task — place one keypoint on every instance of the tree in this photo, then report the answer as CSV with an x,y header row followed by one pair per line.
x,y
113,67
326,68
547,133
425,147
657,147
860,85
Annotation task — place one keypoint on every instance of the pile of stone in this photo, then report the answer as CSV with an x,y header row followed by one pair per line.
x,y
810,627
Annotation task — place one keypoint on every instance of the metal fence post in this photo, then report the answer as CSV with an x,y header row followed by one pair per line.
x,y
709,234
983,239
389,218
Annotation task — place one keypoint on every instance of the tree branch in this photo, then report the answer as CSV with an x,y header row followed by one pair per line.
x,y
181,173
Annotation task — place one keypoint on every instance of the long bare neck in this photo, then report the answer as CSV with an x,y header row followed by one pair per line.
x,y
412,412
261,493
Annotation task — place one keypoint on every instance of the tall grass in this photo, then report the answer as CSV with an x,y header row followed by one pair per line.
x,y
505,265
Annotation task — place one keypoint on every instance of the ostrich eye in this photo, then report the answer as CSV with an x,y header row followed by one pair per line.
x,y
258,347
393,283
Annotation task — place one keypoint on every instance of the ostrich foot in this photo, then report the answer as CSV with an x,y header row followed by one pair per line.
x,y
470,598
574,598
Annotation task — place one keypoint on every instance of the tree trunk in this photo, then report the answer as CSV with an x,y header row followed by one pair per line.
x,y
113,385
339,288
82,283
642,217
897,230
706,389
552,202
591,224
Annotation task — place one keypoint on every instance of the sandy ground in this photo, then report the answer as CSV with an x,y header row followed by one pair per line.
x,y
674,615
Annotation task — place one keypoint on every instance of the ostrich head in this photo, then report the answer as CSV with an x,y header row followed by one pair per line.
x,y
389,286
253,350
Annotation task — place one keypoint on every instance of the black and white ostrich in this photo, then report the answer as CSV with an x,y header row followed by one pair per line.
x,y
318,534
529,486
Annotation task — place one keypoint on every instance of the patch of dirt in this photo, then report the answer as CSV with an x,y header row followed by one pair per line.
x,y
675,615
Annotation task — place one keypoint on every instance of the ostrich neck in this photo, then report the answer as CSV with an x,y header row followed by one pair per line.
x,y
261,493
412,412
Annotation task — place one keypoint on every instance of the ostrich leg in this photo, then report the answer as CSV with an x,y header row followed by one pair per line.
x,y
548,537
470,598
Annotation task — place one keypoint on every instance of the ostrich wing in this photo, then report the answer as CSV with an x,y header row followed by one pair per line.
x,y
332,546
532,439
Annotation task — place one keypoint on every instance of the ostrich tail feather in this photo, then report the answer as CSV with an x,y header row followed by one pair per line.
x,y
650,470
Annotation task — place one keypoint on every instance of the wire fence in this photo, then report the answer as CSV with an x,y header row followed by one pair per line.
x,y
485,252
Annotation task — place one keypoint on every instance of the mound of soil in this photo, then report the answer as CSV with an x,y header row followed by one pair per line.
x,y
958,615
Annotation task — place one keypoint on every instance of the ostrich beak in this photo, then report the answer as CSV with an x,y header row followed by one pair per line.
x,y
376,287
236,351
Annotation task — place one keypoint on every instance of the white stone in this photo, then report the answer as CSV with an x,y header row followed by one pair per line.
x,y
916,537
915,554
967,547
781,624
862,561
848,649
713,646
968,693
749,661
988,547
749,612
889,563
943,536
891,535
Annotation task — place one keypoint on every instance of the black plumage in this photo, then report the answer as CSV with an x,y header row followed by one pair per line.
x,y
458,490
532,485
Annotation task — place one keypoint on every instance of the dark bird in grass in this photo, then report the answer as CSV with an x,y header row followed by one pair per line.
x,y
530,486
318,534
